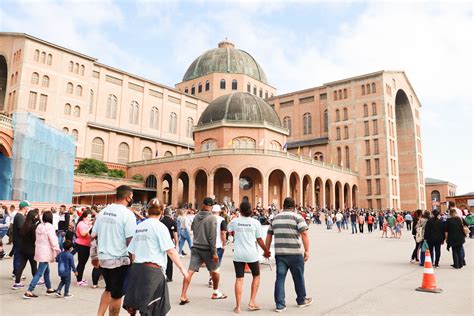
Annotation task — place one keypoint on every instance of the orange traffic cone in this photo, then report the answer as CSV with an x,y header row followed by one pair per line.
x,y
429,282
247,268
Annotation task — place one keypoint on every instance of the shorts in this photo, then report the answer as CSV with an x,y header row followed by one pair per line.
x,y
198,256
338,224
240,268
115,280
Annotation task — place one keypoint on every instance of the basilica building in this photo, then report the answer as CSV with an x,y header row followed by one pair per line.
x,y
223,131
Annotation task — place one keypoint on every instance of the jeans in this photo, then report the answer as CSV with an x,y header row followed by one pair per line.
x,y
66,282
295,263
220,254
61,235
436,247
457,256
43,270
354,227
184,236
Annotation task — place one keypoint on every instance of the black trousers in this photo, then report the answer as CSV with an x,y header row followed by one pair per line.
x,y
96,273
370,227
457,256
24,259
361,228
82,258
435,252
414,255
169,269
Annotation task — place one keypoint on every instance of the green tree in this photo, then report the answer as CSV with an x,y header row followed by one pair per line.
x,y
138,177
92,166
116,173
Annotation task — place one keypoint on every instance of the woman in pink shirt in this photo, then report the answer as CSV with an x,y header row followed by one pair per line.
x,y
83,244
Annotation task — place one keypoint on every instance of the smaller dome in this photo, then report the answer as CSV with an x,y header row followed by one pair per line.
x,y
240,108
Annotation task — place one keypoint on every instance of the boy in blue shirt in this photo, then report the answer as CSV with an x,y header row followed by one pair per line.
x,y
65,262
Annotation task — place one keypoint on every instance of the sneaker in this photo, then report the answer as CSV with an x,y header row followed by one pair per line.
x,y
28,295
68,295
307,301
50,292
81,283
58,294
17,286
280,309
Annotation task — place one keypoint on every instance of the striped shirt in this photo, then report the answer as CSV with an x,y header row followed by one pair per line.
x,y
286,228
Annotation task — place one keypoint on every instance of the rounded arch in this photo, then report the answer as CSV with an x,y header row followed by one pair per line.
x,y
200,186
223,184
328,189
338,195
183,188
347,196
168,154
123,153
166,188
147,153
97,150
355,197
151,182
251,186
276,187
318,191
307,191
406,151
295,187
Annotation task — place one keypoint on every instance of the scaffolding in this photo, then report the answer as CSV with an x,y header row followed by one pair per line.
x,y
43,161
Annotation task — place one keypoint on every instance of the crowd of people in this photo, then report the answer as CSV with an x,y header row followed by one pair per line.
x,y
134,248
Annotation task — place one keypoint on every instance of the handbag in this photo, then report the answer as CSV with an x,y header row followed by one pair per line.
x,y
465,229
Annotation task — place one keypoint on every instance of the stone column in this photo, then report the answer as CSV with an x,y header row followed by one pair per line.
x,y
159,189
322,196
332,203
174,191
264,192
210,186
349,198
235,190
300,193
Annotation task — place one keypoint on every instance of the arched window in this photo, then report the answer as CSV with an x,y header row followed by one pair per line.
x,y
45,82
339,156
111,107
209,144
367,88
97,150
43,58
186,90
173,123
275,145
67,109
69,88
75,134
338,133
222,85
123,153
345,93
66,130
362,88
207,85
348,158
346,117
154,118
435,196
189,127
91,101
36,56
339,94
374,108
82,70
234,84
77,111
168,153
366,110
199,87
287,124
243,143
193,90
71,66
147,154
76,68
326,121
266,94
260,93
50,59
335,95
318,156
307,124
150,182
255,90
346,132
338,116
373,87
249,87
79,91
35,78
133,112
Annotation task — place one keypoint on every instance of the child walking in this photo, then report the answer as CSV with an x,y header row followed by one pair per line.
x,y
384,228
65,265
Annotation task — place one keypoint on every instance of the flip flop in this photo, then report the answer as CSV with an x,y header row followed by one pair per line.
x,y
186,301
254,308
221,297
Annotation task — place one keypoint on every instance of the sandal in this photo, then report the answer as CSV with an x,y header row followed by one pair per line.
x,y
254,307
219,296
186,301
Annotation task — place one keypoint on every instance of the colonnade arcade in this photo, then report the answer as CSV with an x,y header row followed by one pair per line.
x,y
227,185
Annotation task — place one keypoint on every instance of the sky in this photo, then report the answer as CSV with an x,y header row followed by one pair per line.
x,y
299,44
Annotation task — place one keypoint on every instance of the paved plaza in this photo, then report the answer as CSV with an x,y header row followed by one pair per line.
x,y
346,275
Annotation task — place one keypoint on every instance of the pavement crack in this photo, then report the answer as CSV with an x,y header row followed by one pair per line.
x,y
368,291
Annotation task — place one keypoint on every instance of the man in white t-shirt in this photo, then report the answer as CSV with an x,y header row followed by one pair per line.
x,y
221,240
339,218
114,228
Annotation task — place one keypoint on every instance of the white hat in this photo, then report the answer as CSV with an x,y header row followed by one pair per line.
x,y
216,208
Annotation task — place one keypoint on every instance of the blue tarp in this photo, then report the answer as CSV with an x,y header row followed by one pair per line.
x,y
5,177
43,161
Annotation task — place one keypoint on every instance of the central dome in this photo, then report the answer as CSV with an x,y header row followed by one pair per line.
x,y
240,108
225,59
